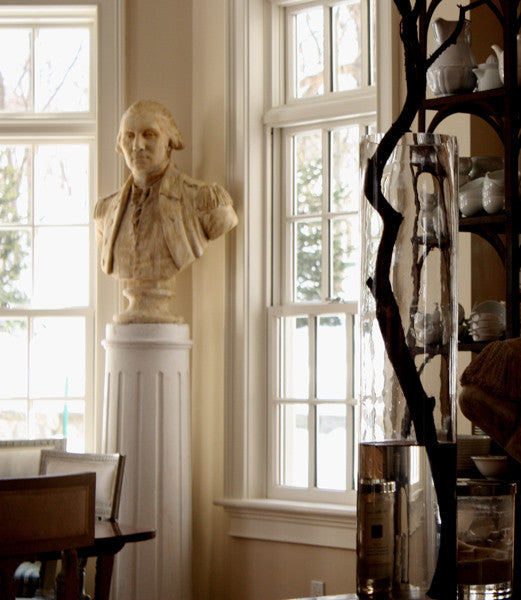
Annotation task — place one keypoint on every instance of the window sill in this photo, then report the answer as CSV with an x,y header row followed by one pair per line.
x,y
329,525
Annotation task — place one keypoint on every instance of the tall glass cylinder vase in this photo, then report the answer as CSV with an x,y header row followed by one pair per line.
x,y
408,346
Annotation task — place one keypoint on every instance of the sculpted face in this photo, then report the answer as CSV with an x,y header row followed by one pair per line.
x,y
145,146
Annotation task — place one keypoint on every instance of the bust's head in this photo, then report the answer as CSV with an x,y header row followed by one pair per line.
x,y
147,135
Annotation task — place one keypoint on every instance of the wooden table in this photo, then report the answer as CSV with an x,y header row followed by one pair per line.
x,y
109,539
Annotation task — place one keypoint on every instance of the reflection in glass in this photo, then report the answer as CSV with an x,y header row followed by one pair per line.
x,y
345,189
294,369
308,173
61,70
345,256
347,53
15,267
61,266
293,438
309,52
331,357
15,74
13,345
57,355
61,184
308,259
331,446
14,183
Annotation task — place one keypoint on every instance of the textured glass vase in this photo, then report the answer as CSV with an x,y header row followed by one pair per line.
x,y
408,346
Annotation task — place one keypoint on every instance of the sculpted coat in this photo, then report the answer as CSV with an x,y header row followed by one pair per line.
x,y
191,212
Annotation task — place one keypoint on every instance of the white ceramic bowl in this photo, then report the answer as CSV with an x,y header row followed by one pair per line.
x,y
450,79
492,307
491,467
470,197
493,203
471,445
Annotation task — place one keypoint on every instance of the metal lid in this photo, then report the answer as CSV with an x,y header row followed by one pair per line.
x,y
484,487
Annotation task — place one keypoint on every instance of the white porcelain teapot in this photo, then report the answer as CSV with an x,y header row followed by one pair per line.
x,y
500,59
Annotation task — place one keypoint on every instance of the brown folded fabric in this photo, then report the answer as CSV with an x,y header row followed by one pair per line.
x,y
491,393
497,417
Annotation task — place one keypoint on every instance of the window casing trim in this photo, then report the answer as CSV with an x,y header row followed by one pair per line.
x,y
312,523
247,285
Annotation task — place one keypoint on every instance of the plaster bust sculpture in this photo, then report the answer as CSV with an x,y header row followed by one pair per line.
x,y
160,221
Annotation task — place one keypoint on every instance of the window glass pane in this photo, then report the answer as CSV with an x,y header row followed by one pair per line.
x,y
13,345
331,446
14,183
13,420
57,357
295,358
308,173
345,256
61,184
331,357
61,266
294,436
308,261
15,75
347,46
345,178
309,52
15,267
52,418
61,66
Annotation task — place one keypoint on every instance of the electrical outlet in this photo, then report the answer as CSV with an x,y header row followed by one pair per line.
x,y
317,588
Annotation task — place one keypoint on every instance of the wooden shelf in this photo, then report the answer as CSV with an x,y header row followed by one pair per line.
x,y
494,223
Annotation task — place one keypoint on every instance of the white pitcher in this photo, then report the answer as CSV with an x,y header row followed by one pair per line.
x,y
452,71
459,53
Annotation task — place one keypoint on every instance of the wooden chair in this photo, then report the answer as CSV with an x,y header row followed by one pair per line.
x,y
21,458
109,475
45,514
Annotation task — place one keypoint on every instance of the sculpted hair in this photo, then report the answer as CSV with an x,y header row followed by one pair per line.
x,y
164,116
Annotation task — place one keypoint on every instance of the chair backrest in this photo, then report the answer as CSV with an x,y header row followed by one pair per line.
x,y
21,458
45,514
109,475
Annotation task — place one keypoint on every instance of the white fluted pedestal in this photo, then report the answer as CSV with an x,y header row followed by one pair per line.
x,y
147,418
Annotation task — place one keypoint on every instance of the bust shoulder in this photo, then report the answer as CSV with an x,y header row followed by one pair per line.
x,y
102,205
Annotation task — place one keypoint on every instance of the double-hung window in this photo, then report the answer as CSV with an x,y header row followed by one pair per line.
x,y
325,100
49,141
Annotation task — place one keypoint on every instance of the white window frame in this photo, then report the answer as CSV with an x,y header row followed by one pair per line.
x,y
251,513
107,103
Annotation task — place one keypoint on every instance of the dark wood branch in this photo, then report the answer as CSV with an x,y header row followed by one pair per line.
x,y
419,405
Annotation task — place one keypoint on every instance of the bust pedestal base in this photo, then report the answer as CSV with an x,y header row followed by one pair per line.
x,y
147,418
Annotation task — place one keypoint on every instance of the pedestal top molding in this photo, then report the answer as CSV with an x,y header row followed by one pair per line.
x,y
159,335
